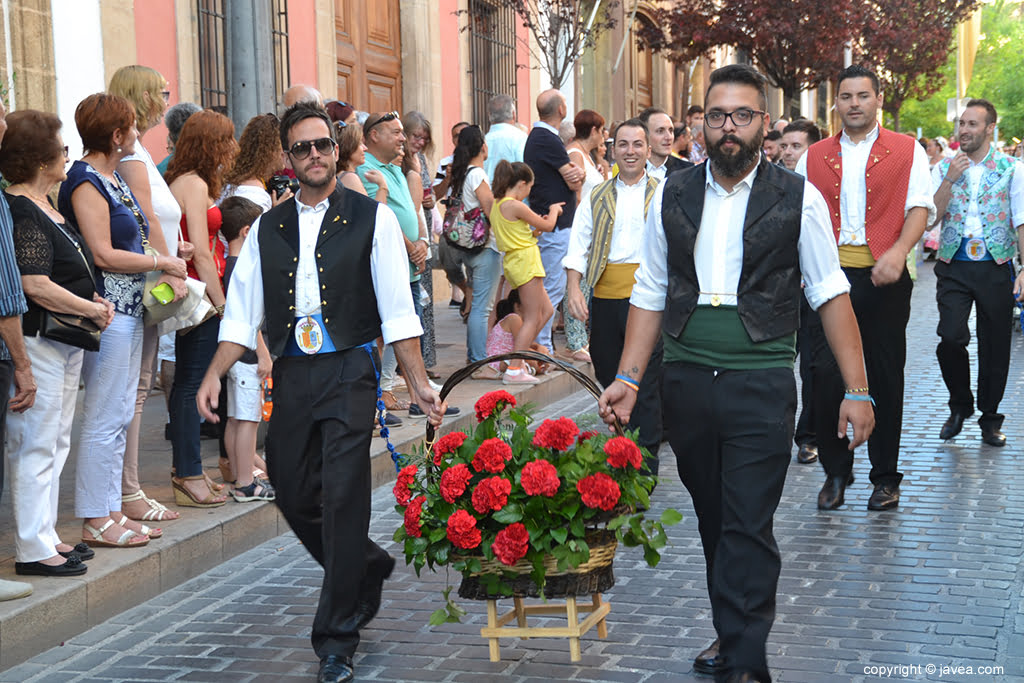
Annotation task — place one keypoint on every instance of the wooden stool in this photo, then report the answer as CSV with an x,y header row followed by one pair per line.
x,y
496,624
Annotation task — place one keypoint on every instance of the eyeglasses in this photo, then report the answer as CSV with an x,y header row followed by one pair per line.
x,y
166,95
740,117
66,155
390,116
301,149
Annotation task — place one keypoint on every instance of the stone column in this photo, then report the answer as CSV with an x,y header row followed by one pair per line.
x,y
421,63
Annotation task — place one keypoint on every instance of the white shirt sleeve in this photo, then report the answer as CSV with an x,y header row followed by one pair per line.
x,y
819,258
920,190
390,270
243,306
652,275
579,240
1017,196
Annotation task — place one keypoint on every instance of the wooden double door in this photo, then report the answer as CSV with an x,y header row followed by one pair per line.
x,y
369,47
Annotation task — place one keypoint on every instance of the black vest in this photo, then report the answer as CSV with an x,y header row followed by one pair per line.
x,y
768,300
347,299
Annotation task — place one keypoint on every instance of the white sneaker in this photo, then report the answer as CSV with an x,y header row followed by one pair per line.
x,y
12,590
518,376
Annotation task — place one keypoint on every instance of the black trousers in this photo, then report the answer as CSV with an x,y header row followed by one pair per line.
x,y
318,454
989,287
882,314
607,338
731,431
805,434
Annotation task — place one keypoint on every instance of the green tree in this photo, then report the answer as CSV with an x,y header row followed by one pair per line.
x,y
998,68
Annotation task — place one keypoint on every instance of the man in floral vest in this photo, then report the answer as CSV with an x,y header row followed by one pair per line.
x,y
879,196
980,197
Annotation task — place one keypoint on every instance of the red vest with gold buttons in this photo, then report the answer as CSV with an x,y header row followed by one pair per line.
x,y
887,176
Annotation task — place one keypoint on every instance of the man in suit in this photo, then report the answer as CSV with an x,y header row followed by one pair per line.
x,y
725,248
662,134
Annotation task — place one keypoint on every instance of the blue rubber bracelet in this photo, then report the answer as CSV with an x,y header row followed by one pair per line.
x,y
859,397
628,381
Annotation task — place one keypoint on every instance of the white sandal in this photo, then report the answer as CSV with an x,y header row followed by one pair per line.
x,y
156,510
144,530
124,541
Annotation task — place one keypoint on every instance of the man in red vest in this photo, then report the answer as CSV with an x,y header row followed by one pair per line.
x,y
878,190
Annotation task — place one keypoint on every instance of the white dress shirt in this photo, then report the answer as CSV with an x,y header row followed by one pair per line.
x,y
244,311
853,191
658,172
504,142
718,252
627,231
972,217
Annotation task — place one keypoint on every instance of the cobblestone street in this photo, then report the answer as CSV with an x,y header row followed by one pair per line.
x,y
936,583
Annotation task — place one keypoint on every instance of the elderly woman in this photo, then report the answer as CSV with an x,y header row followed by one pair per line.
x,y
175,119
56,274
206,147
259,156
147,91
98,200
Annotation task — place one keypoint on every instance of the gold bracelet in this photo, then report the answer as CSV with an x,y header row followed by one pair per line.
x,y
857,391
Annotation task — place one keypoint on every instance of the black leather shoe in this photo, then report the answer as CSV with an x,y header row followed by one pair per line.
x,y
808,453
993,437
72,567
884,497
335,669
742,677
833,494
83,552
953,425
372,586
709,661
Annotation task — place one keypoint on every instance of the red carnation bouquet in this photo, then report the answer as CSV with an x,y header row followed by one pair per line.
x,y
512,497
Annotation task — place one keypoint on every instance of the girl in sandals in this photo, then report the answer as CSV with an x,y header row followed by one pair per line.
x,y
515,229
501,339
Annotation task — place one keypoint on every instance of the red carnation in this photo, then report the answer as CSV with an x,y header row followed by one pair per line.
x,y
511,543
557,435
462,531
491,494
487,404
449,443
599,491
540,478
405,479
453,482
492,456
412,516
621,452
586,436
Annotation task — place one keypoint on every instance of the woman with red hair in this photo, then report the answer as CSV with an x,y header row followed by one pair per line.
x,y
99,201
205,150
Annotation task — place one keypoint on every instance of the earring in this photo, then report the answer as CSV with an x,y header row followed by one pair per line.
x,y
119,150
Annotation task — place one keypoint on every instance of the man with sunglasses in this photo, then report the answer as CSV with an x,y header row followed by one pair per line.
x,y
326,271
725,246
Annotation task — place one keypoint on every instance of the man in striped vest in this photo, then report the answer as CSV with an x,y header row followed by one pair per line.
x,y
603,255
980,197
879,195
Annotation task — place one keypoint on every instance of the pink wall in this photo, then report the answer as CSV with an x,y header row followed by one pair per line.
x,y
524,96
451,72
302,47
157,47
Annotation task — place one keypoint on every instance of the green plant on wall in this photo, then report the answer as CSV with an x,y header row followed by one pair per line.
x,y
5,91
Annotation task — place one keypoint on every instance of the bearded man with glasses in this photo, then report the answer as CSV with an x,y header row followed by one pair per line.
x,y
326,270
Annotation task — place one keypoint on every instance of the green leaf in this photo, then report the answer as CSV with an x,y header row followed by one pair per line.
x,y
560,534
438,617
671,516
652,556
511,513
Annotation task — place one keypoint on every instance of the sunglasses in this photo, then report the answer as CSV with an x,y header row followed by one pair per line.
x,y
301,150
390,116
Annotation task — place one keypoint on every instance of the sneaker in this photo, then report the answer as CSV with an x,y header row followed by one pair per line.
x,y
12,590
518,376
392,420
417,413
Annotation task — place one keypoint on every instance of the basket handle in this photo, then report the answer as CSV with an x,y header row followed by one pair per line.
x,y
459,375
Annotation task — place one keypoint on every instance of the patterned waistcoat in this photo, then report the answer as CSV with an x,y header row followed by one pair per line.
x,y
993,207
602,202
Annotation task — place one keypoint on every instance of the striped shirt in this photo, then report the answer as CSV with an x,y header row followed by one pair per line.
x,y
12,298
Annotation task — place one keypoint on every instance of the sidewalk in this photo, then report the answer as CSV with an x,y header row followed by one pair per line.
x,y
119,579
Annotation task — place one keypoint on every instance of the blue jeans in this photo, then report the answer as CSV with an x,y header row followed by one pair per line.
x,y
193,353
553,246
486,269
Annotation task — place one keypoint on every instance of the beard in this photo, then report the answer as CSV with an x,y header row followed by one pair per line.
x,y
733,164
972,144
330,168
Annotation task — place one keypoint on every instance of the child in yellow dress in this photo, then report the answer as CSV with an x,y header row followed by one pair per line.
x,y
515,229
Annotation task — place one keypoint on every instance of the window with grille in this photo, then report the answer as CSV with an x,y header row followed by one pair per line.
x,y
213,72
492,54
279,35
